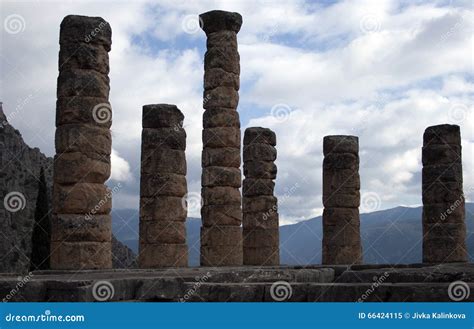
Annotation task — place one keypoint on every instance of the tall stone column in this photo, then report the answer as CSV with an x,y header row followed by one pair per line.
x,y
163,188
81,223
260,212
341,199
221,234
444,228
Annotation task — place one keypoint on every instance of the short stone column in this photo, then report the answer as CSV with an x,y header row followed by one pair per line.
x,y
163,188
444,228
260,212
221,234
81,221
341,200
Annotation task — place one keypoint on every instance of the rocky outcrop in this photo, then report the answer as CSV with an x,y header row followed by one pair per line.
x,y
19,177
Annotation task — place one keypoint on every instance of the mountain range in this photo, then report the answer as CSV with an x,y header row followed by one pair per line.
x,y
388,236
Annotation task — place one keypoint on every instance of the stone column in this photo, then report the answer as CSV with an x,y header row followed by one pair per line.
x,y
341,199
163,188
221,234
81,223
260,212
444,228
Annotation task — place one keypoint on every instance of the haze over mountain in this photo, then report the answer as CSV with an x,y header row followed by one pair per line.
x,y
388,236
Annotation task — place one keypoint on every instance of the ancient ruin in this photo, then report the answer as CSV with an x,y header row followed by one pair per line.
x,y
221,234
261,243
81,224
163,188
444,228
341,200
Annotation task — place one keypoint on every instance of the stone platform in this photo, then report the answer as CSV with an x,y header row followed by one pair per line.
x,y
384,283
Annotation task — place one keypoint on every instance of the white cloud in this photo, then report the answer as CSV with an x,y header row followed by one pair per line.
x,y
120,168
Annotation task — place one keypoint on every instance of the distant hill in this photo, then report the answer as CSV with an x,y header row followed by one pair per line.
x,y
389,236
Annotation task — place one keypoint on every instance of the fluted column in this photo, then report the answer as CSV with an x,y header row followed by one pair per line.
x,y
341,199
260,212
163,188
444,228
221,234
81,223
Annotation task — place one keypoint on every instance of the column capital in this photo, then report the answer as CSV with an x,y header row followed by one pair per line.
x,y
219,20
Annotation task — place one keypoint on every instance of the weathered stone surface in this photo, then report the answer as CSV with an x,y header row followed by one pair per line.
x,y
221,176
81,198
85,110
340,181
229,255
162,116
217,77
442,192
84,56
337,161
441,154
349,199
260,169
81,167
162,232
221,97
341,235
77,29
85,83
221,137
83,255
213,118
152,185
442,134
340,144
224,157
83,138
257,187
154,138
341,216
222,39
438,250
259,152
449,213
219,20
70,228
226,215
348,254
221,195
261,203
222,58
442,173
164,160
259,135
256,237
163,208
261,220
445,230
261,256
163,255
219,235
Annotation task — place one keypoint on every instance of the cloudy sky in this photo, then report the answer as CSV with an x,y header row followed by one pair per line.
x,y
381,70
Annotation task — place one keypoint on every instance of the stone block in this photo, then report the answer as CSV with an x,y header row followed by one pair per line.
x,y
347,255
221,195
449,213
337,161
335,181
224,215
261,220
163,255
87,83
152,185
221,176
341,235
260,169
223,156
340,144
221,255
443,250
83,29
78,228
221,118
162,116
445,192
163,161
261,256
219,235
78,167
442,134
162,232
156,138
82,198
259,135
441,154
83,138
351,199
80,255
261,203
222,39
257,238
83,56
442,173
219,20
259,152
163,208
341,216
217,77
226,59
83,110
257,187
221,97
221,137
